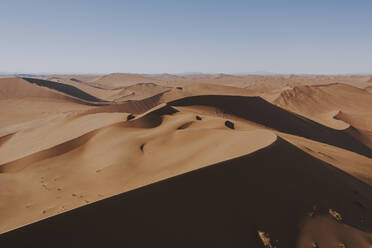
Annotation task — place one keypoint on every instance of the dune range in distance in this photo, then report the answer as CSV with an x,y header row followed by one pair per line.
x,y
204,160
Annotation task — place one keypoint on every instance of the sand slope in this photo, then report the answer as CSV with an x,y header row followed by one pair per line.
x,y
232,203
338,106
104,94
23,104
322,102
69,171
64,88
18,88
132,92
118,80
260,83
369,89
259,111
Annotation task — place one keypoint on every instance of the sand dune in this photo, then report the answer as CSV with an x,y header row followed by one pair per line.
x,y
259,111
132,92
233,203
23,104
186,160
320,102
17,88
263,83
205,88
104,94
64,88
119,80
140,91
86,78
369,89
97,158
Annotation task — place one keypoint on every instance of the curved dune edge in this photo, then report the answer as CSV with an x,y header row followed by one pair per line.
x,y
359,126
103,94
56,150
137,91
150,119
320,102
258,110
9,154
13,154
369,89
352,163
135,107
19,88
30,144
234,202
5,138
38,119
66,89
115,159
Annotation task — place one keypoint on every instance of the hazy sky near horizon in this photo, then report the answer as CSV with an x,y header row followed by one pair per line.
x,y
164,36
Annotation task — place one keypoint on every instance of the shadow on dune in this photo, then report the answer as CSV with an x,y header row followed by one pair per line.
x,y
135,107
152,119
149,120
5,138
64,88
223,205
260,111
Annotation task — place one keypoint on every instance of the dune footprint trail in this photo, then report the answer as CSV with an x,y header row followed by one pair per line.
x,y
115,158
227,204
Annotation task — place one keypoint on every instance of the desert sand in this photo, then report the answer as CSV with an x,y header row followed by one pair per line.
x,y
203,160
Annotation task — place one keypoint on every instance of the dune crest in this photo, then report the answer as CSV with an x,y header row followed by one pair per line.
x,y
98,156
259,111
186,160
229,188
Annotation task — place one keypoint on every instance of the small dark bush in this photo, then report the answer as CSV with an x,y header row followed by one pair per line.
x,y
229,124
130,117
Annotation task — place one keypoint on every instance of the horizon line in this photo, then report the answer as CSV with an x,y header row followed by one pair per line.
x,y
187,73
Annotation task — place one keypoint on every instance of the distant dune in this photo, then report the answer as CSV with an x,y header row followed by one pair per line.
x,y
199,160
119,80
17,88
260,82
64,88
369,89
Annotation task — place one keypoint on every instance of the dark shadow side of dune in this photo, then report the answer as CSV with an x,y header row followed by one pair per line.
x,y
64,88
260,111
135,107
149,120
223,205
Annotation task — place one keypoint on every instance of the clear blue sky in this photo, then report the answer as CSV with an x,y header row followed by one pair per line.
x,y
158,36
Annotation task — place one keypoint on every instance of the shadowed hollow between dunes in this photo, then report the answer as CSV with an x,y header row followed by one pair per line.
x,y
273,190
64,88
258,110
